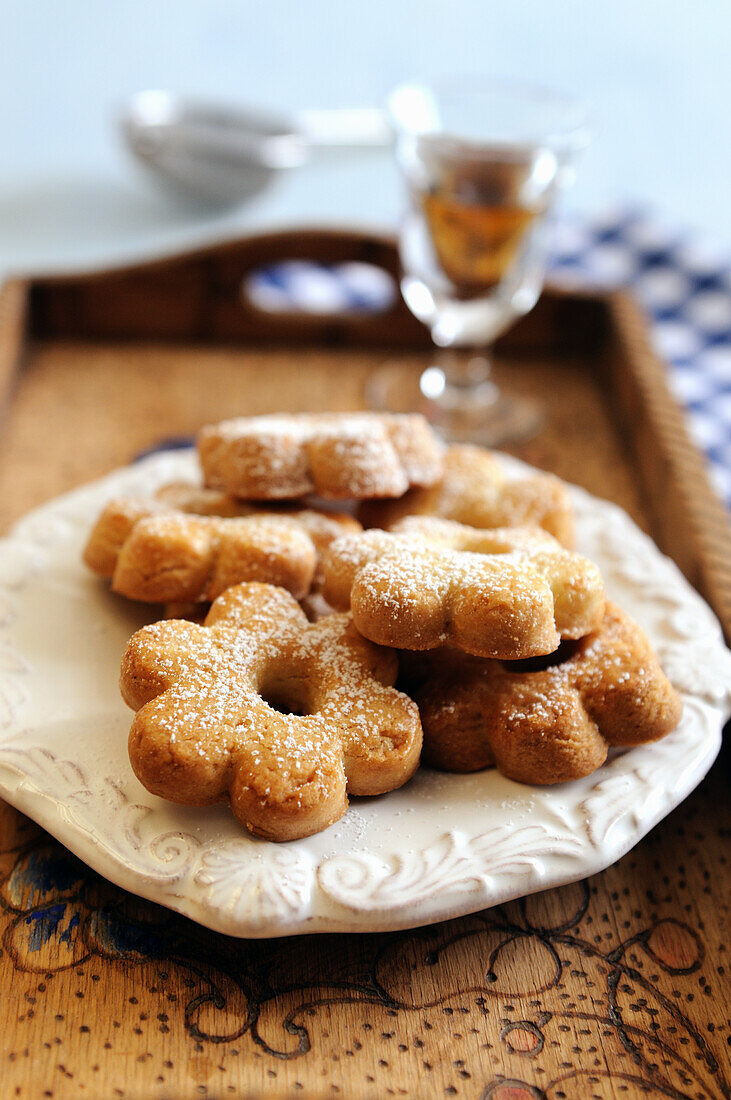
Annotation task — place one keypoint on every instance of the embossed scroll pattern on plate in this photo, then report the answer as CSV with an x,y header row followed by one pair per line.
x,y
443,845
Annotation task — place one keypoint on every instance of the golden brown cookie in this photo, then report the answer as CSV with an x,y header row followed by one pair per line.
x,y
475,490
313,604
189,544
195,612
321,525
507,592
548,720
181,558
336,456
185,496
278,714
316,607
113,528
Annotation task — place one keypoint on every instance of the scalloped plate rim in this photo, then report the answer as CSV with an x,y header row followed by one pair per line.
x,y
43,806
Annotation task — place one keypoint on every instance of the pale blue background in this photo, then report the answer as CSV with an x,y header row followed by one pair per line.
x,y
656,74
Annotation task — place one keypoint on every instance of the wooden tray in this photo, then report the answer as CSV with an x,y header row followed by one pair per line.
x,y
610,988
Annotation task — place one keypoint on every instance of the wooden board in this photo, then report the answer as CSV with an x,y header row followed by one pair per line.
x,y
616,987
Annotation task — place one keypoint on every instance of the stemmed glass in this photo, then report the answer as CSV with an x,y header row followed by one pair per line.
x,y
483,161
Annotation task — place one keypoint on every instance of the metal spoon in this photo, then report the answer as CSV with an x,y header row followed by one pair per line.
x,y
221,154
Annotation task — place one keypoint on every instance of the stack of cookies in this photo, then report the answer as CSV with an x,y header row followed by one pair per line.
x,y
344,598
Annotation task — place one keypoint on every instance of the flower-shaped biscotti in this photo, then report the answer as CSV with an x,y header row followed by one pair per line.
x,y
190,544
279,714
546,724
333,455
475,490
506,592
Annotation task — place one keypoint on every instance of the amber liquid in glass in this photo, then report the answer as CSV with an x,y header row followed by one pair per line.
x,y
475,245
476,223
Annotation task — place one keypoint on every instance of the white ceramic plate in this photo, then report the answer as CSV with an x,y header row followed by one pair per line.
x,y
442,846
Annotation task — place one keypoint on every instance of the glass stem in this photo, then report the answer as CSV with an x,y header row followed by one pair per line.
x,y
460,377
463,367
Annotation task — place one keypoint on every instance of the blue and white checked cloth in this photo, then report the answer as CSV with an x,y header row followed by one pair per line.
x,y
684,288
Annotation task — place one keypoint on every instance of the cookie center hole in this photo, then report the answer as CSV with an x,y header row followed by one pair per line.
x,y
565,651
286,697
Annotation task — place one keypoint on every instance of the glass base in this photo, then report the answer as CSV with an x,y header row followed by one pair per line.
x,y
479,413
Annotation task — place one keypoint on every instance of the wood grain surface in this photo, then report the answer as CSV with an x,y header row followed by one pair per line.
x,y
616,987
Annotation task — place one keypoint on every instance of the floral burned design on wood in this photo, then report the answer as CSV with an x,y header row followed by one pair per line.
x,y
609,987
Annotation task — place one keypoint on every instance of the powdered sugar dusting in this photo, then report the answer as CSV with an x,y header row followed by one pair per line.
x,y
548,724
188,544
474,489
339,456
495,593
209,688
